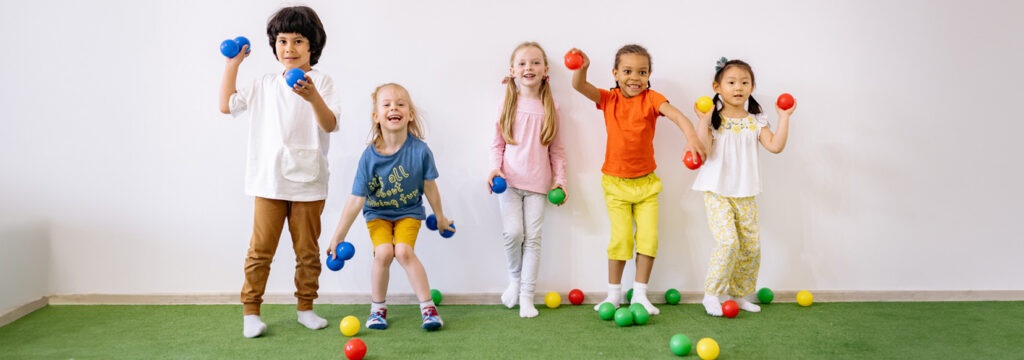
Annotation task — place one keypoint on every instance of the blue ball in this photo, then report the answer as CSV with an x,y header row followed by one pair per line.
x,y
432,222
293,76
345,250
242,41
447,234
335,263
229,48
499,185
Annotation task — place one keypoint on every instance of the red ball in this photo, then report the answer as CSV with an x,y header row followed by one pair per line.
x,y
730,309
576,296
785,101
573,60
355,349
692,160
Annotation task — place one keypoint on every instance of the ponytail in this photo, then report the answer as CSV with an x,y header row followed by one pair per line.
x,y
550,128
716,118
508,112
752,106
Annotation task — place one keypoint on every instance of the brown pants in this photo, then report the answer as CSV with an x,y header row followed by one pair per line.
x,y
304,226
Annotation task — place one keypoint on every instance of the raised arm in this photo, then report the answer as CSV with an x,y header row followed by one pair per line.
x,y
309,92
579,79
693,143
227,83
777,141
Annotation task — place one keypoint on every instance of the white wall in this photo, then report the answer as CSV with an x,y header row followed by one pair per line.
x,y
24,262
901,170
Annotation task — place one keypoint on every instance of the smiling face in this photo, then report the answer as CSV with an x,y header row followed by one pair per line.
x,y
529,66
292,50
735,86
393,109
633,74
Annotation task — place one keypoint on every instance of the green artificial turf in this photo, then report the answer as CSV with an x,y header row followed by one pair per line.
x,y
919,330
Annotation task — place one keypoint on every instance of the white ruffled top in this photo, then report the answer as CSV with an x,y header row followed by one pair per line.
x,y
731,167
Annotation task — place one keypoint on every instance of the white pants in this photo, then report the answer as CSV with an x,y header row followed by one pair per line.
x,y
522,214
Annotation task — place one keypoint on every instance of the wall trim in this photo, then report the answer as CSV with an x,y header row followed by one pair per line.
x,y
691,297
20,311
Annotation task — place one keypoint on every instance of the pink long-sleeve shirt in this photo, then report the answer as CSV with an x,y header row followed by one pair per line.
x,y
529,164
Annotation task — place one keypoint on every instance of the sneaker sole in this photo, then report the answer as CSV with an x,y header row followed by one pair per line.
x,y
432,326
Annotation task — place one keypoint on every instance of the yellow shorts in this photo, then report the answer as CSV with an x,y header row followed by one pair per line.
x,y
401,231
629,200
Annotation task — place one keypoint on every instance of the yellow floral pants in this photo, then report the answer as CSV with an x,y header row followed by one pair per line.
x,y
737,258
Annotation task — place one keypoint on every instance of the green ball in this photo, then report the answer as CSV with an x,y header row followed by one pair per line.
x,y
680,344
629,295
765,295
606,311
556,196
672,296
640,314
436,295
623,317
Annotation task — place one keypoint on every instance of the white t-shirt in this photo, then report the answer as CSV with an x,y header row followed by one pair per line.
x,y
731,168
287,156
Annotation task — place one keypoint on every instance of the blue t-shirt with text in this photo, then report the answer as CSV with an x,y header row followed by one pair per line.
x,y
393,184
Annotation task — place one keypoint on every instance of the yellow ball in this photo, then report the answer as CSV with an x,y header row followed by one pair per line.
x,y
349,326
707,349
552,300
804,298
704,104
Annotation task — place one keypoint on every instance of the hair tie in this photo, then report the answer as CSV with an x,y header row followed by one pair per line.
x,y
507,78
720,64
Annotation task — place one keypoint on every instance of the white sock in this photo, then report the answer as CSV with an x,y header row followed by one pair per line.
x,y
614,296
377,306
511,294
640,297
425,304
311,320
526,308
747,305
252,326
712,305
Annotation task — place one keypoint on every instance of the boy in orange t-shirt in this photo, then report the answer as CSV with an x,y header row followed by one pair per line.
x,y
630,186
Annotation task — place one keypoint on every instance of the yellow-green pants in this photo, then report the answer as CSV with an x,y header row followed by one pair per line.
x,y
629,200
737,258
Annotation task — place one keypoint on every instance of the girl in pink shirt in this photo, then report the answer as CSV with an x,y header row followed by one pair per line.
x,y
527,151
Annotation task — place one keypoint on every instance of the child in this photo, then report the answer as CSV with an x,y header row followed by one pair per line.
x,y
527,151
630,186
394,171
287,159
729,180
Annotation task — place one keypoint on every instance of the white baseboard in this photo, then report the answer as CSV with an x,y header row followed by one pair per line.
x,y
691,297
18,312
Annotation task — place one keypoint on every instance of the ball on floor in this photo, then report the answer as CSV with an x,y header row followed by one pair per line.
x,y
804,298
680,344
552,300
707,349
349,326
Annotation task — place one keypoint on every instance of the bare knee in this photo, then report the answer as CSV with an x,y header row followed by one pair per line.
x,y
384,254
404,254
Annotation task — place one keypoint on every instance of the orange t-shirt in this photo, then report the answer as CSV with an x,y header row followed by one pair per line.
x,y
630,125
